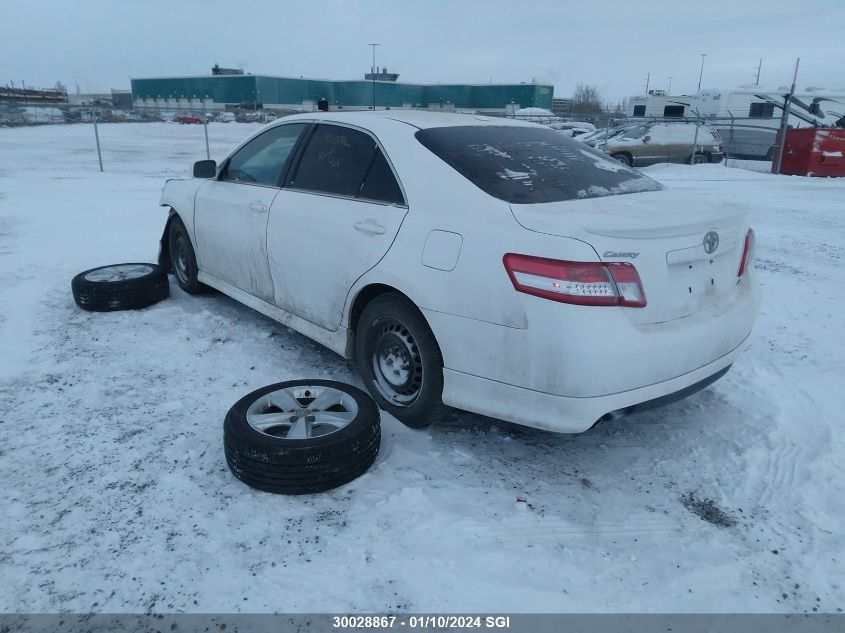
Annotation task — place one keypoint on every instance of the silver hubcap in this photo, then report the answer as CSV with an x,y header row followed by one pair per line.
x,y
119,272
397,364
302,412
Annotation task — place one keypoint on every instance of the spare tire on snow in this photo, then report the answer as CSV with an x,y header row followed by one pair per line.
x,y
120,287
302,436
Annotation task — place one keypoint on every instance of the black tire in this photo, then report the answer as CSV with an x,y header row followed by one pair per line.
x,y
183,259
120,287
392,322
271,462
698,159
623,158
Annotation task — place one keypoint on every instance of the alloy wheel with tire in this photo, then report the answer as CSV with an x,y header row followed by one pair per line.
x,y
302,436
183,260
399,360
623,158
120,287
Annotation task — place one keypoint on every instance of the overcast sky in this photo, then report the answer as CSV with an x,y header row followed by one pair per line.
x,y
100,44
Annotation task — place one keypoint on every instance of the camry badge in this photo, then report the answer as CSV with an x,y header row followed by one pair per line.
x,y
630,255
711,242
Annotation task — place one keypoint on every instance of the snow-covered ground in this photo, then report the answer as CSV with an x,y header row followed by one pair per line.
x,y
116,496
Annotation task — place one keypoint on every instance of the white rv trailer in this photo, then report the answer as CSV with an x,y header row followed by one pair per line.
x,y
747,117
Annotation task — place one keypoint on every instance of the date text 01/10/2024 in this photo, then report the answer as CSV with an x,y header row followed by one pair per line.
x,y
421,622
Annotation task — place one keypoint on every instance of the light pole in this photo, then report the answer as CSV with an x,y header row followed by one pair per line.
x,y
670,85
374,73
701,72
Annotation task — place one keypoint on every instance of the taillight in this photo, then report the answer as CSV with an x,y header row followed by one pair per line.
x,y
581,283
747,253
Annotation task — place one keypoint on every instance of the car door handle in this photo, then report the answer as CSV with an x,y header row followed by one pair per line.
x,y
260,207
370,227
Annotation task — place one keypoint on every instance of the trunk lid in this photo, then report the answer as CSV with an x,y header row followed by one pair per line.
x,y
663,235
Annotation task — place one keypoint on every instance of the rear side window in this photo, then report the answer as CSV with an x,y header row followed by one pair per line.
x,y
380,183
335,161
525,165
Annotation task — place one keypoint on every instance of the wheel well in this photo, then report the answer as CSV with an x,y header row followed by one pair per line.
x,y
364,296
367,294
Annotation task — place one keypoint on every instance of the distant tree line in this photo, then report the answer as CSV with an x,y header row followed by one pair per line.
x,y
588,100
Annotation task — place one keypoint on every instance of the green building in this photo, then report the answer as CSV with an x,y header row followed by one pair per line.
x,y
219,91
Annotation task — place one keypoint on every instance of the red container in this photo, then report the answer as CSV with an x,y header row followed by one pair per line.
x,y
812,151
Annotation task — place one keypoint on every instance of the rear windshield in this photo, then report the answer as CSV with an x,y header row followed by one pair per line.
x,y
525,165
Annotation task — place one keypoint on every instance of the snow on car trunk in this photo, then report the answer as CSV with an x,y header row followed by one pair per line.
x,y
666,236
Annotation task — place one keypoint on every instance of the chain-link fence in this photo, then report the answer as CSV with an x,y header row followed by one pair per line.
x,y
744,138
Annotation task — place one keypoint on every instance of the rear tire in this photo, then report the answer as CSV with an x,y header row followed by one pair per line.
x,y
399,360
623,158
698,159
183,260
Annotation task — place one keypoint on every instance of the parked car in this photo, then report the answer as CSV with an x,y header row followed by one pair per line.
x,y
573,128
594,138
187,117
488,264
226,117
658,142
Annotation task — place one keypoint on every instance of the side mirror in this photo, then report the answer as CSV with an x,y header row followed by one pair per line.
x,y
646,139
205,169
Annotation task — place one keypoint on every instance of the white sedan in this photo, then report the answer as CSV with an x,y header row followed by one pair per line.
x,y
482,263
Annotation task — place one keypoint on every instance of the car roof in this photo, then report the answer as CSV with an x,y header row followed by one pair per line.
x,y
415,118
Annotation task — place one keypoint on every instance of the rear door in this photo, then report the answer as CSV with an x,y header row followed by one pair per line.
x,y
231,211
671,142
337,216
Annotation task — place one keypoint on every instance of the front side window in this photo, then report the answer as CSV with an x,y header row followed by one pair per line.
x,y
527,165
635,132
639,110
260,162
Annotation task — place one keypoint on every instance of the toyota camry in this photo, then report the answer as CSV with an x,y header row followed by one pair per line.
x,y
492,265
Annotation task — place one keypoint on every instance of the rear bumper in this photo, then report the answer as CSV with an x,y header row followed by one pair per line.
x,y
563,414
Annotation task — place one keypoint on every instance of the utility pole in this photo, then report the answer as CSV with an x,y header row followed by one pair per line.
x,y
669,91
784,121
647,80
701,72
759,67
374,73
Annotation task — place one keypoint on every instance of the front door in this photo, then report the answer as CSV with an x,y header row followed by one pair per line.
x,y
231,211
335,219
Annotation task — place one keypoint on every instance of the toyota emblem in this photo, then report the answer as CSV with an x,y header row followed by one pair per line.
x,y
711,242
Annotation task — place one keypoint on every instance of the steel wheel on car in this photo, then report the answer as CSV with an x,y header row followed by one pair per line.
x,y
120,287
183,260
399,359
302,436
